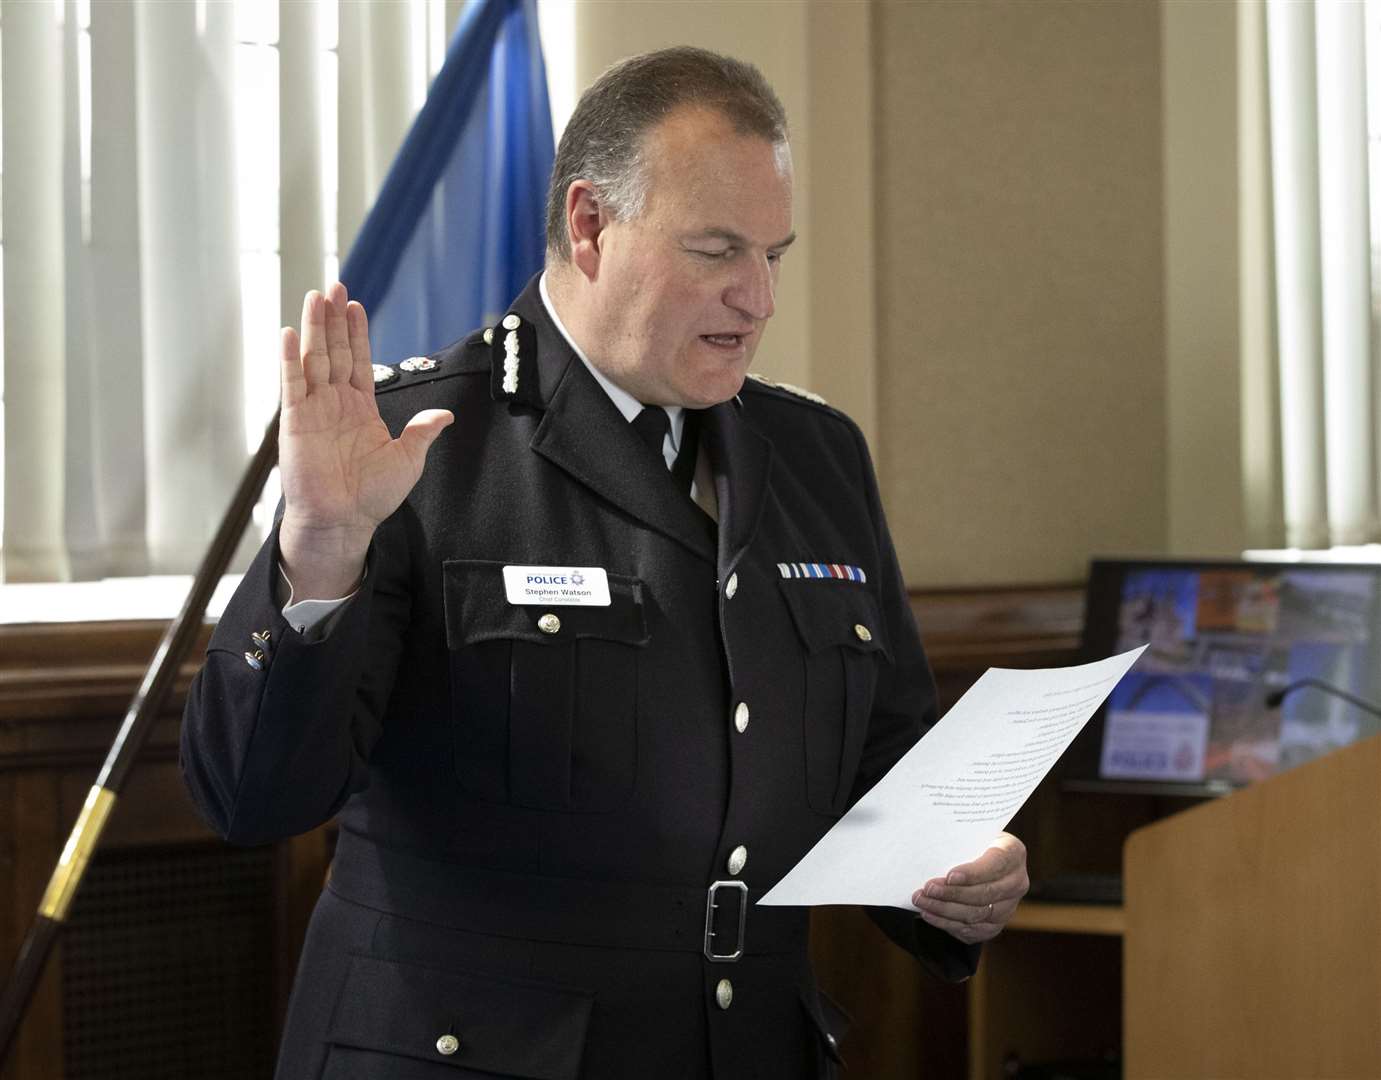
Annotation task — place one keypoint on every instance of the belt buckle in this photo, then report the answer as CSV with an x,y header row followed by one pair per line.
x,y
710,905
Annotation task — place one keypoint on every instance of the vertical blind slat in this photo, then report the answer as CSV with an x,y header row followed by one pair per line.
x,y
1345,266
194,413
116,398
80,525
301,241
35,330
375,107
1294,156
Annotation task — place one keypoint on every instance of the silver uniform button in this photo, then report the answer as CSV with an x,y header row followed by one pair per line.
x,y
261,639
447,1044
724,994
832,1041
511,322
731,586
737,858
255,659
864,634
489,335
741,716
549,623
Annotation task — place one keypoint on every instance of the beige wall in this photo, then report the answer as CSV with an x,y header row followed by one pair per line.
x,y
1019,262
1224,449
1204,507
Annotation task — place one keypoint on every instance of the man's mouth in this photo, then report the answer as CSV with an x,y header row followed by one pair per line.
x,y
724,341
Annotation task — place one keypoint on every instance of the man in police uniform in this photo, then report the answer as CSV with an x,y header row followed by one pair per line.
x,y
605,669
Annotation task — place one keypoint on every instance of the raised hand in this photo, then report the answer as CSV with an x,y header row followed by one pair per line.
x,y
342,472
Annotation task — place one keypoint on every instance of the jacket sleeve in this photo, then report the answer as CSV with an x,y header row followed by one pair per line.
x,y
904,709
272,746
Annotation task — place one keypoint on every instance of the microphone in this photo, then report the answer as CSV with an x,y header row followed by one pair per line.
x,y
1275,697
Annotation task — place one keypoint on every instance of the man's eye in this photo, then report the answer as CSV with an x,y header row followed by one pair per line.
x,y
719,254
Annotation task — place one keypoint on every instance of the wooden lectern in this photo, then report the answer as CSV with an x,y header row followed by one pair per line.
x,y
1253,930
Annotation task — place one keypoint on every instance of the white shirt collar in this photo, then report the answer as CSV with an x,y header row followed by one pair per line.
x,y
625,402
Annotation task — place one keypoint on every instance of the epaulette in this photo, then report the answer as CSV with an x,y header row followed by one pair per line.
x,y
800,392
458,359
513,361
391,376
384,374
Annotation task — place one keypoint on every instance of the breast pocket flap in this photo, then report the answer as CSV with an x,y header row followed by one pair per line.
x,y
477,609
510,1027
833,614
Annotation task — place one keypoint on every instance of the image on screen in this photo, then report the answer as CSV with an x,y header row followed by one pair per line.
x,y
1193,710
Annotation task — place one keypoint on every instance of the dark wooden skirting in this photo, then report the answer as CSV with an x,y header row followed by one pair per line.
x,y
964,627
970,630
64,689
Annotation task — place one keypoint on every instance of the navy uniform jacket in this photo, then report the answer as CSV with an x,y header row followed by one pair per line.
x,y
532,810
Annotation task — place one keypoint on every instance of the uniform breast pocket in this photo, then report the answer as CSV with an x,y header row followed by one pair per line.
x,y
544,699
842,641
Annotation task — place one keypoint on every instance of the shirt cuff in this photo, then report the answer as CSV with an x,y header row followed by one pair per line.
x,y
313,619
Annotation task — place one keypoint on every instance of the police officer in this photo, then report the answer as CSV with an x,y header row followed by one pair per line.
x,y
591,681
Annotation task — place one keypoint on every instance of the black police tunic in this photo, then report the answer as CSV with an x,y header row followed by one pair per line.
x,y
536,801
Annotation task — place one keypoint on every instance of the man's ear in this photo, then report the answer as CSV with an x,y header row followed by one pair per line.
x,y
585,221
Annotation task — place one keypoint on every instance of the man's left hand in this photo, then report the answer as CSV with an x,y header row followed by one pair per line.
x,y
974,901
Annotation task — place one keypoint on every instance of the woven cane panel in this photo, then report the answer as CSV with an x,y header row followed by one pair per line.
x,y
166,966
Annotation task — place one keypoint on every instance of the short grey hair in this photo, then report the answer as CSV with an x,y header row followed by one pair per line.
x,y
603,141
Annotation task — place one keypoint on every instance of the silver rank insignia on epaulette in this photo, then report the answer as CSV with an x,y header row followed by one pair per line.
x,y
799,391
419,363
383,374
510,357
513,359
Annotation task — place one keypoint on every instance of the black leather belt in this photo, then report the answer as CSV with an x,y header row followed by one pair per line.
x,y
715,921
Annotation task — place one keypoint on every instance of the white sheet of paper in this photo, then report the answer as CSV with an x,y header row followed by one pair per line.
x,y
943,803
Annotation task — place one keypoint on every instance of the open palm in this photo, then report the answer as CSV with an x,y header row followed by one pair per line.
x,y
342,471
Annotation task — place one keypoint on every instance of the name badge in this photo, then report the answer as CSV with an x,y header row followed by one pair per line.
x,y
581,586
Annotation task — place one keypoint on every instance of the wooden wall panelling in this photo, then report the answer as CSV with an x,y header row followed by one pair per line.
x,y
82,669
152,811
1040,998
35,837
13,895
63,691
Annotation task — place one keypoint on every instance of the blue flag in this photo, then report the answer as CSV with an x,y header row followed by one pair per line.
x,y
458,227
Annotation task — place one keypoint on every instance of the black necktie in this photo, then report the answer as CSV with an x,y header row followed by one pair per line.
x,y
653,425
684,469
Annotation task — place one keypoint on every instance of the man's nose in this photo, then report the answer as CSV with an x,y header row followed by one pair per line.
x,y
753,291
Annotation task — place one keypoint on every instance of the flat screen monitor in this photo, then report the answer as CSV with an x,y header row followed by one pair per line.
x,y
1196,714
